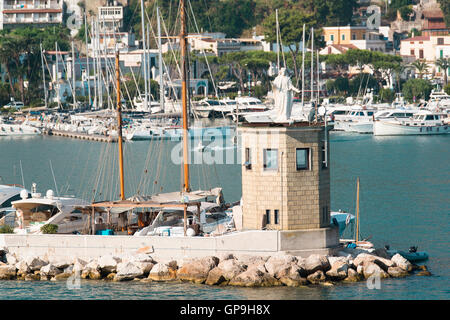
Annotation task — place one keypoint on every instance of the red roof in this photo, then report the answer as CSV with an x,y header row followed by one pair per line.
x,y
418,38
433,14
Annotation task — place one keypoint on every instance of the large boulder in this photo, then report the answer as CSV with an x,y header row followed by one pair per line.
x,y
293,276
397,272
353,276
91,271
62,276
402,262
197,271
35,263
11,259
249,260
366,258
146,267
162,272
78,265
128,271
316,277
279,266
7,272
61,263
316,262
49,270
142,257
215,277
231,268
22,268
225,256
373,269
338,271
334,260
254,278
108,263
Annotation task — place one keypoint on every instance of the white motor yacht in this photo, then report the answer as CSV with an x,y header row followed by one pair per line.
x,y
36,211
358,120
438,100
247,106
17,129
424,122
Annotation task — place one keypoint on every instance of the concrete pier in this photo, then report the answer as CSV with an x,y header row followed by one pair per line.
x,y
253,242
82,136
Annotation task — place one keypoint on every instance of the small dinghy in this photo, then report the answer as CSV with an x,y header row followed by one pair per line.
x,y
412,255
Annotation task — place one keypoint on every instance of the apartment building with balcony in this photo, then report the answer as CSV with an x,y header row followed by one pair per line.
x,y
110,18
359,36
16,13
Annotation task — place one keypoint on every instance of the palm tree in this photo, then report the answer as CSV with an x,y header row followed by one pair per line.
x,y
444,64
421,66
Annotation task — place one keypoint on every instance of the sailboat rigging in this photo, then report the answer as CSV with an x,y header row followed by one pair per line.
x,y
171,201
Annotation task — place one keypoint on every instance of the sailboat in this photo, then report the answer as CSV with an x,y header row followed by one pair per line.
x,y
182,213
356,243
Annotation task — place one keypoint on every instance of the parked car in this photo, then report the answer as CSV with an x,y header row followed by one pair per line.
x,y
14,104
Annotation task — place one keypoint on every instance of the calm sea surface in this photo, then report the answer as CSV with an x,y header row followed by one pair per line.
x,y
404,201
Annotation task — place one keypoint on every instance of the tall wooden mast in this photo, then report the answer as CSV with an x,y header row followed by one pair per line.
x,y
357,210
184,93
119,128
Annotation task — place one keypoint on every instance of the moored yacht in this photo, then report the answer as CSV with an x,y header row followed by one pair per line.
x,y
424,122
32,213
17,129
358,120
438,99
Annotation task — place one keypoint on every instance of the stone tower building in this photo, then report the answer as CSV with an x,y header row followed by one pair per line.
x,y
285,177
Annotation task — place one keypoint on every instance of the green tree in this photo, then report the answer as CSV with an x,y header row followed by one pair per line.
x,y
415,89
444,64
330,12
447,89
421,66
445,7
339,86
338,61
386,95
361,82
291,23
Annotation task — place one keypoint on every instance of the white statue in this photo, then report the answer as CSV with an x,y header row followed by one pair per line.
x,y
282,91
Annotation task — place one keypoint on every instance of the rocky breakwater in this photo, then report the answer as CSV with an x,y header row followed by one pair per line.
x,y
349,265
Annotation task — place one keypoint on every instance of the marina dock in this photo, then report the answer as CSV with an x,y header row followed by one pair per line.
x,y
82,136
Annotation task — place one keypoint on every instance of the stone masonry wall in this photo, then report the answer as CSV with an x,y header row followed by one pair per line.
x,y
302,197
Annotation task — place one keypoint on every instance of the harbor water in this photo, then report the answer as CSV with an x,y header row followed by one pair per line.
x,y
404,201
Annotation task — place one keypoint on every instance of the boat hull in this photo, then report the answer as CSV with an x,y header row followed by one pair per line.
x,y
410,256
383,128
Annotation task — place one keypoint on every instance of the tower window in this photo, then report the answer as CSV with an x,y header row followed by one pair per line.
x,y
302,159
270,159
276,217
267,216
248,159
